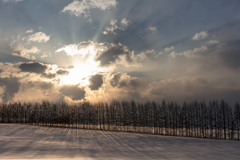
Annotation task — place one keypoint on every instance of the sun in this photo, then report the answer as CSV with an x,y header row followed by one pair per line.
x,y
84,67
76,75
81,73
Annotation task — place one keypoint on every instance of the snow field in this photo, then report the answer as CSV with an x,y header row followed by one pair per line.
x,y
42,142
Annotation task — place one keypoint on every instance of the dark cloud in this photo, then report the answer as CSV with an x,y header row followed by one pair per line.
x,y
11,85
45,85
37,84
198,88
219,55
33,67
229,56
116,81
73,91
132,95
48,75
215,59
96,82
183,86
84,44
134,82
137,74
62,72
113,53
17,52
122,80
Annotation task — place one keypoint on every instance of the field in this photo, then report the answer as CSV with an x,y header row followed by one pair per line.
x,y
43,142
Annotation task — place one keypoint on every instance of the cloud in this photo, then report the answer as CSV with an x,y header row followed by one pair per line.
x,y
44,55
148,55
48,75
33,67
213,42
46,71
39,37
122,80
196,52
212,58
199,36
54,71
150,28
185,87
105,53
29,31
89,20
227,55
122,87
96,82
62,72
169,49
73,92
78,8
5,1
8,70
125,22
113,26
21,51
117,81
83,48
221,55
11,86
195,88
38,85
115,53
36,90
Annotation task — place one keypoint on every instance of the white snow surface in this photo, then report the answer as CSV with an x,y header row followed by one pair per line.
x,y
41,142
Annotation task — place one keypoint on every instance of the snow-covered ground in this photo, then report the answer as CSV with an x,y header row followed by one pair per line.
x,y
40,142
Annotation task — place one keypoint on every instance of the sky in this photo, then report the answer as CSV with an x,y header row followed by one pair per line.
x,y
100,50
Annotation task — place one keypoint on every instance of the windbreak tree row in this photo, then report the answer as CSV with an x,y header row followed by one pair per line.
x,y
196,119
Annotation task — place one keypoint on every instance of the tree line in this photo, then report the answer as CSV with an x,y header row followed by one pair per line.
x,y
194,119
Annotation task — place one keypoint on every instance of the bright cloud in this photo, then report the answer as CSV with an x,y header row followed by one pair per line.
x,y
82,48
196,52
169,49
199,36
39,37
21,51
125,22
29,31
114,26
78,8
148,55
